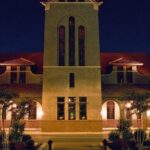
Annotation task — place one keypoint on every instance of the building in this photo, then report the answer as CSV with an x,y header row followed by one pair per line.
x,y
67,82
71,97
122,74
112,108
71,89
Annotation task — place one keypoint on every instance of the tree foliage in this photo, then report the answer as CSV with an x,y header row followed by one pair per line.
x,y
140,102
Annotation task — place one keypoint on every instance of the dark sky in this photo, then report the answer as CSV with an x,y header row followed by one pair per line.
x,y
124,26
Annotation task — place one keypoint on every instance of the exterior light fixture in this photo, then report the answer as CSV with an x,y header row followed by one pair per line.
x,y
128,105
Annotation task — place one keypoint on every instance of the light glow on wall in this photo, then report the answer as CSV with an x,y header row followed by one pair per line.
x,y
39,111
148,113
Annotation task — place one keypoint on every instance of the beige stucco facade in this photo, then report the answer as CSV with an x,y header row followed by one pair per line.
x,y
137,78
30,78
56,78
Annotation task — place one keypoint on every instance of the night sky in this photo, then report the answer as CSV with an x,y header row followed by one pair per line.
x,y
124,26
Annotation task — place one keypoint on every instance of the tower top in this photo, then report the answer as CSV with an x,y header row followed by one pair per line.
x,y
71,1
96,3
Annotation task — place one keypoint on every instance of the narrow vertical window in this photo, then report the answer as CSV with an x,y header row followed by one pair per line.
x,y
60,108
110,110
22,77
13,76
71,80
83,108
71,108
120,74
61,52
81,38
33,110
129,75
71,41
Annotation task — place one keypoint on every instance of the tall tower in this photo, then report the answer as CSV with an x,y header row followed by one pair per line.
x,y
71,97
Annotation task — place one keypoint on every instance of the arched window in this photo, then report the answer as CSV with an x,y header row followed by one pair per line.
x,y
81,38
110,110
71,41
61,52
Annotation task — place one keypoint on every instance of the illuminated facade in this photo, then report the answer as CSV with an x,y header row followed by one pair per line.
x,y
68,91
71,97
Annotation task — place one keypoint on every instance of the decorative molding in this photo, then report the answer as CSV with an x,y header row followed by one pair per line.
x,y
73,67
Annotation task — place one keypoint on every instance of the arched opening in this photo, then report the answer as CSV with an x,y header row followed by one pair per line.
x,y
35,112
110,110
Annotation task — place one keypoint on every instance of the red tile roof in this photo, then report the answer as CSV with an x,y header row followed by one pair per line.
x,y
17,62
125,62
105,58
36,57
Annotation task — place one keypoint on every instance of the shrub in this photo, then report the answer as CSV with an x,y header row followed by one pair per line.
x,y
140,135
147,142
26,138
114,135
127,135
16,131
124,125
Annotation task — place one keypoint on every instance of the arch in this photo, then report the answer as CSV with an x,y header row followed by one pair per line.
x,y
71,41
81,42
61,49
35,112
110,106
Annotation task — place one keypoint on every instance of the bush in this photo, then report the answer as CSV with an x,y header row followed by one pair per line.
x,y
16,131
127,135
26,138
124,125
114,135
146,143
140,135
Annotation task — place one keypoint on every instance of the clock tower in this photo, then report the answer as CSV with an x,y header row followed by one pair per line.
x,y
71,98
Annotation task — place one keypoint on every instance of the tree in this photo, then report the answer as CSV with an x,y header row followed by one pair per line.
x,y
139,102
6,100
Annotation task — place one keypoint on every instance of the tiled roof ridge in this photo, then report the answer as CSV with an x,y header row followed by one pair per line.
x,y
18,61
123,60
